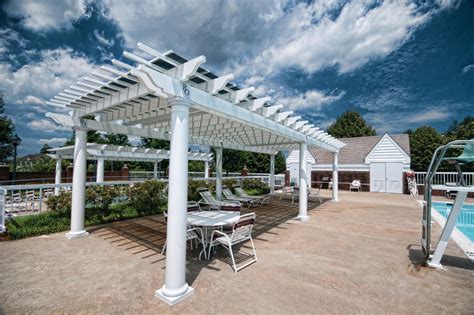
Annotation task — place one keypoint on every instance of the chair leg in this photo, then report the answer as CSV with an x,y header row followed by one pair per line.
x,y
229,248
253,247
164,247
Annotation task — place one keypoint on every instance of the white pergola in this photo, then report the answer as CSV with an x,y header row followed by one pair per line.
x,y
107,152
166,96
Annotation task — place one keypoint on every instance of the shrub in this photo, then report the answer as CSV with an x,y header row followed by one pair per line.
x,y
60,204
255,186
148,197
37,224
101,197
193,185
230,183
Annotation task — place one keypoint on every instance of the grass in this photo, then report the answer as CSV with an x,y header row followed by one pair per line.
x,y
53,222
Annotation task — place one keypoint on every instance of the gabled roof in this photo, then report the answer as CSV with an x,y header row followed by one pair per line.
x,y
357,149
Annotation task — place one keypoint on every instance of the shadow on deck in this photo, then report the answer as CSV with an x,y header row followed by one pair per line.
x,y
146,236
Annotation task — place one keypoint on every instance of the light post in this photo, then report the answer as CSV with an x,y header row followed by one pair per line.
x,y
15,141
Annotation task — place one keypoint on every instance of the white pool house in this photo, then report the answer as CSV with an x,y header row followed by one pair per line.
x,y
169,97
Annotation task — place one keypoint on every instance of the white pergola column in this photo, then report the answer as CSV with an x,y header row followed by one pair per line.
x,y
335,178
155,170
206,169
272,173
57,178
100,171
303,184
79,186
175,288
219,173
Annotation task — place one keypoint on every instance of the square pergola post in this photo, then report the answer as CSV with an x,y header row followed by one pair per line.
x,y
272,173
303,184
175,288
100,170
335,178
57,178
79,185
219,173
206,169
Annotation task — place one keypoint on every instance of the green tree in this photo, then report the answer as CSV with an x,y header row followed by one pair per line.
x,y
463,130
116,139
349,125
7,129
423,142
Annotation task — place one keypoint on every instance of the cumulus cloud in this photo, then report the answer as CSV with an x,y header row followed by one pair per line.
x,y
52,72
46,126
357,35
53,141
468,68
313,99
44,15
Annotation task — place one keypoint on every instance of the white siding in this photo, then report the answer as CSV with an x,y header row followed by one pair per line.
x,y
387,151
294,157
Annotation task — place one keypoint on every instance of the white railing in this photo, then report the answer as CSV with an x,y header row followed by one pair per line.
x,y
2,210
18,200
441,178
29,199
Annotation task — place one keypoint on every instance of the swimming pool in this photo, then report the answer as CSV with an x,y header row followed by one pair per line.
x,y
465,221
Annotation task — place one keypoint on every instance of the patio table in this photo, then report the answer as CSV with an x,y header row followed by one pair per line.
x,y
210,220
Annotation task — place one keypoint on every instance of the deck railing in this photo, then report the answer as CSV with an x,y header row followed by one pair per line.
x,y
441,178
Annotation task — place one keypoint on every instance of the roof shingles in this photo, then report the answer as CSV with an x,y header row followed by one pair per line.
x,y
356,149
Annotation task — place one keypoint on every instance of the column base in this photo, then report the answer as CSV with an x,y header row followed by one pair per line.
x,y
303,218
173,300
335,200
435,266
72,235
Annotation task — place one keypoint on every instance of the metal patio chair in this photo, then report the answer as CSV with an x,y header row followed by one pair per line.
x,y
193,234
241,232
355,185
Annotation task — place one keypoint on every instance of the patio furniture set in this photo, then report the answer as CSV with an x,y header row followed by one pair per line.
x,y
220,223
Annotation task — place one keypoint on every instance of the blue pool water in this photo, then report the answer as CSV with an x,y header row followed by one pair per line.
x,y
465,221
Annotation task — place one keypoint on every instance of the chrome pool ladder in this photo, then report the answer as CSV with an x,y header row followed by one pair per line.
x,y
438,157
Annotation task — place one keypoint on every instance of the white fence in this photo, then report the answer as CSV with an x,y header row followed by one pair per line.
x,y
16,200
441,178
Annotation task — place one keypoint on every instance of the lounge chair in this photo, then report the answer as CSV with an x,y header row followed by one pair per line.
x,y
249,202
241,232
355,185
261,199
210,202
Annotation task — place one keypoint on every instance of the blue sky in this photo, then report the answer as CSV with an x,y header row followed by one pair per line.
x,y
402,64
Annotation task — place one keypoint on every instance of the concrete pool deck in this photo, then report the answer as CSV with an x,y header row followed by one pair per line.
x,y
361,255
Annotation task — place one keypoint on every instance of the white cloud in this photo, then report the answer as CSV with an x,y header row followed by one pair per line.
x,y
102,40
467,68
429,116
41,80
30,99
356,36
53,141
45,125
43,15
313,99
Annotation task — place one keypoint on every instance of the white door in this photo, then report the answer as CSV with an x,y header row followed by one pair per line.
x,y
394,174
377,177
386,177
